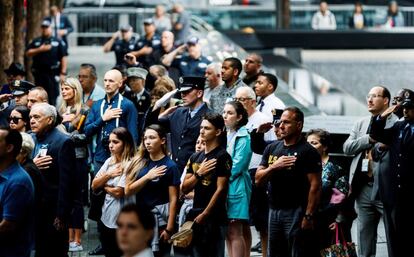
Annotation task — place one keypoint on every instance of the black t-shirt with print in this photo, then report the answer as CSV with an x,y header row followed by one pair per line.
x,y
207,186
289,188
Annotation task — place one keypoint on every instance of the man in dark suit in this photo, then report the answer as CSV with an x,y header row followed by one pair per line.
x,y
61,25
54,155
184,122
400,139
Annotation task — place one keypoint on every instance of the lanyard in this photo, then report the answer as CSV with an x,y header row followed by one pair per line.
x,y
118,106
89,96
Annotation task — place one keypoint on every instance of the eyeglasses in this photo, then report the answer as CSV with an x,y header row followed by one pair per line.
x,y
15,120
241,99
83,76
369,96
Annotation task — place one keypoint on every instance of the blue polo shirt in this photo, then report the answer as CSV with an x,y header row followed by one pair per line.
x,y
16,205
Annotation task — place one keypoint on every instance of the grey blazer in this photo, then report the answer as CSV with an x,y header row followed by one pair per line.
x,y
358,142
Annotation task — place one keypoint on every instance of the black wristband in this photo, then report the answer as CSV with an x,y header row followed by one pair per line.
x,y
168,232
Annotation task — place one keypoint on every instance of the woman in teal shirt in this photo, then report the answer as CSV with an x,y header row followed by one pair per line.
x,y
238,146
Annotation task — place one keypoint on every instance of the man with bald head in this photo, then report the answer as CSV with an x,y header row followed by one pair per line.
x,y
109,113
37,95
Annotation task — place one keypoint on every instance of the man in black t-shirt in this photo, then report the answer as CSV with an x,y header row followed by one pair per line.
x,y
208,174
292,167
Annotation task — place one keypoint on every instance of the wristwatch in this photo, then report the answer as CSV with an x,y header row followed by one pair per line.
x,y
308,216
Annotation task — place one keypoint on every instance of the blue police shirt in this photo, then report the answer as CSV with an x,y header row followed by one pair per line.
x,y
16,205
49,60
122,47
191,67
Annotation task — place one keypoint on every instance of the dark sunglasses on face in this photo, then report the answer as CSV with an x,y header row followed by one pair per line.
x,y
15,120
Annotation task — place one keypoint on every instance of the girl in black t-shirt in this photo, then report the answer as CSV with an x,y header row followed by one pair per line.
x,y
155,180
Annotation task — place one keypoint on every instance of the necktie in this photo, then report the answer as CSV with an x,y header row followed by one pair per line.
x,y
188,118
261,106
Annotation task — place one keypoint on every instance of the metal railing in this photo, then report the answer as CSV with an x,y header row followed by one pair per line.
x,y
93,26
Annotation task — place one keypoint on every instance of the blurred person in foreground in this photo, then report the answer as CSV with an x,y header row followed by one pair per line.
x,y
17,199
135,230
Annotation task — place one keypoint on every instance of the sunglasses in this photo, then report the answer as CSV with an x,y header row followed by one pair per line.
x,y
15,120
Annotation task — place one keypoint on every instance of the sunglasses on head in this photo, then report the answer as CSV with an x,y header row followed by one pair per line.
x,y
15,120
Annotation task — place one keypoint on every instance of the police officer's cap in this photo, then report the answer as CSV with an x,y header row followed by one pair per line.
x,y
188,82
15,68
408,99
148,21
125,28
192,40
137,72
46,23
21,87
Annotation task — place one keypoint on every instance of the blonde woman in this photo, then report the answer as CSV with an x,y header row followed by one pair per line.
x,y
73,113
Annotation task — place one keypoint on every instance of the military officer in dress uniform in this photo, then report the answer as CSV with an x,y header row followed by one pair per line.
x,y
184,122
138,95
49,61
121,42
400,141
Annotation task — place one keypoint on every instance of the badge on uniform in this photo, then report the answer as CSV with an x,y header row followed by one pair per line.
x,y
365,165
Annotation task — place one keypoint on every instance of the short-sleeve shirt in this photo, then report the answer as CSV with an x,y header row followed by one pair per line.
x,y
112,206
49,60
207,186
289,188
16,203
122,47
191,67
156,192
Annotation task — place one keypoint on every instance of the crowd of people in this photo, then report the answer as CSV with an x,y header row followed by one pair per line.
x,y
173,137
324,19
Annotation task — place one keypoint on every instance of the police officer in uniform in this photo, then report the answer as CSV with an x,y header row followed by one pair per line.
x,y
400,141
14,72
137,94
49,61
184,122
192,63
147,44
121,42
20,90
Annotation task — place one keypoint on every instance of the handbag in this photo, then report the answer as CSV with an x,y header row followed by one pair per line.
x,y
97,201
340,248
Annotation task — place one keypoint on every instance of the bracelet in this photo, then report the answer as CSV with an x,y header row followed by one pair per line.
x,y
197,176
308,216
168,232
63,73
